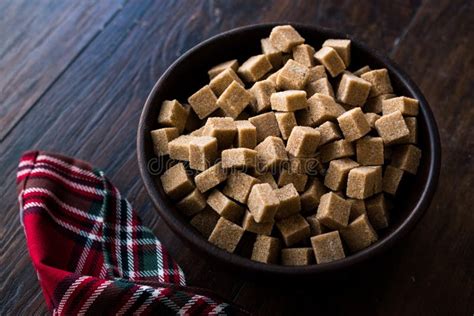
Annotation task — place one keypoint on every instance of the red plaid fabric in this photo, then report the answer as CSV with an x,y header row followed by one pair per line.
x,y
91,252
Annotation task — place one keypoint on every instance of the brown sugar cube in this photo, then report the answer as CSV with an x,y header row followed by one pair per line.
x,y
321,108
192,203
266,125
406,158
328,132
226,235
380,81
202,152
289,100
412,128
179,147
333,211
377,211
239,158
378,179
238,186
246,135
198,132
331,60
353,90
297,164
314,225
220,82
392,127
336,176
210,178
173,114
374,104
362,70
286,121
363,182
357,209
274,55
161,137
267,177
342,47
311,197
234,99
205,221
176,182
371,118
293,229
335,150
254,68
407,106
304,54
273,78
359,234
289,201
353,124
285,37
296,256
263,203
327,247
322,86
369,151
222,128
265,249
303,141
217,69
293,76
317,72
271,153
391,179
224,206
203,102
297,179
249,224
303,165
262,91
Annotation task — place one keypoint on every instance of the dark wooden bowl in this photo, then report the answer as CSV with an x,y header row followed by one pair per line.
x,y
189,73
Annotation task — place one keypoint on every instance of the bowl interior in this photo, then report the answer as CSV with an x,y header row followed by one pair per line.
x,y
189,73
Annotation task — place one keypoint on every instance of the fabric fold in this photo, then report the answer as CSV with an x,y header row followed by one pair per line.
x,y
90,250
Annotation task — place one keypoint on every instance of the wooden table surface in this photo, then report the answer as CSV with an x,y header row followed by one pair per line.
x,y
74,78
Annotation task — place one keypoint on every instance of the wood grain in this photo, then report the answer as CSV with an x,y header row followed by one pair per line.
x,y
90,109
39,41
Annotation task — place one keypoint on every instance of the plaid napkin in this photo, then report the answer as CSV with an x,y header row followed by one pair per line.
x,y
91,253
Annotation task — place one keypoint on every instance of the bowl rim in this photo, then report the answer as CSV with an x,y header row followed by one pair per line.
x,y
202,245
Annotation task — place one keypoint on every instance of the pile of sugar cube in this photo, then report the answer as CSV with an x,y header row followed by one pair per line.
x,y
290,149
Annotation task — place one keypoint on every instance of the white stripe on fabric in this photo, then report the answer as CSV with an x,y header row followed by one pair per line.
x,y
132,300
67,207
148,301
74,185
140,241
130,254
93,297
69,292
88,173
60,222
95,229
218,309
189,304
159,260
118,241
